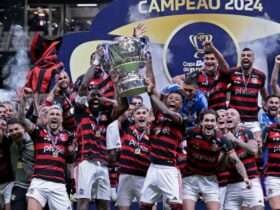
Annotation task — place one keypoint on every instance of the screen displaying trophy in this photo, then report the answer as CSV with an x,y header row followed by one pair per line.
x,y
127,57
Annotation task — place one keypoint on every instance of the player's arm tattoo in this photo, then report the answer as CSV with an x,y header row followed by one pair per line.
x,y
234,159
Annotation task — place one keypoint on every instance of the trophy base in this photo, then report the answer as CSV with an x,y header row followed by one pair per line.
x,y
131,88
133,92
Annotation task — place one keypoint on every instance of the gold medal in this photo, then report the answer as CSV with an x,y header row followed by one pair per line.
x,y
137,151
71,111
98,133
19,165
157,131
55,154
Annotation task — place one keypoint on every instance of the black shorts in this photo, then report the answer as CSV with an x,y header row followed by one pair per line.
x,y
18,201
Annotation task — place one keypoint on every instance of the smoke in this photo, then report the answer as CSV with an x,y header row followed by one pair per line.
x,y
156,50
18,66
158,66
134,15
262,47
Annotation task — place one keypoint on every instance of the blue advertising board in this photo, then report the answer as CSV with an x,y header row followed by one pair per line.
x,y
178,28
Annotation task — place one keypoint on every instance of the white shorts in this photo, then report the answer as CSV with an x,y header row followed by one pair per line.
x,y
252,126
92,180
113,140
46,191
129,187
162,181
195,185
272,186
222,195
6,191
113,194
238,194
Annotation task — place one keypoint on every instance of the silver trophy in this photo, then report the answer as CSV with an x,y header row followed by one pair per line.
x,y
127,57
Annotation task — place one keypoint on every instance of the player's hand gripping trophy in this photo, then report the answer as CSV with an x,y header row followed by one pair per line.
x,y
127,57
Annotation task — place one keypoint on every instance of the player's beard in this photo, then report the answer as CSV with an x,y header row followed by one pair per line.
x,y
246,66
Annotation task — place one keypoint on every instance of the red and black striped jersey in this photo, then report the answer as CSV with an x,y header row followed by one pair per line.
x,y
166,137
244,90
102,81
69,122
222,177
100,135
135,151
91,137
249,160
182,159
50,154
272,143
113,174
203,152
215,88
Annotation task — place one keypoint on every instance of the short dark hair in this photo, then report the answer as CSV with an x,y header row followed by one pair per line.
x,y
176,92
136,97
247,49
205,112
207,52
140,107
191,78
271,96
14,120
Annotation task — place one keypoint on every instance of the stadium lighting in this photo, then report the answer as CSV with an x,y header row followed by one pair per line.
x,y
87,5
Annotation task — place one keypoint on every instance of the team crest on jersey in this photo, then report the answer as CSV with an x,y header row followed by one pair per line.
x,y
93,126
166,130
44,133
238,82
157,130
275,135
254,80
63,136
161,118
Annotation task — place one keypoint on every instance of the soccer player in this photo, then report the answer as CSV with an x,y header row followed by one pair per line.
x,y
269,114
163,178
206,149
134,158
53,145
247,149
246,82
213,78
92,158
274,76
272,173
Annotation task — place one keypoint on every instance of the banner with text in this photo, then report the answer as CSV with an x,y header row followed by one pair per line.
x,y
177,29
